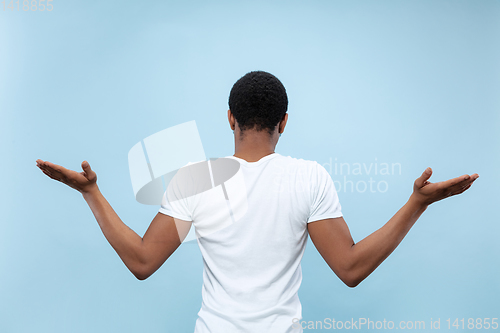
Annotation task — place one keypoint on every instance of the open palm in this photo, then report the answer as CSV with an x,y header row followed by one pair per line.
x,y
428,192
81,181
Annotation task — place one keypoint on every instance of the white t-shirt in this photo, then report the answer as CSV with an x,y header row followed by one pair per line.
x,y
252,269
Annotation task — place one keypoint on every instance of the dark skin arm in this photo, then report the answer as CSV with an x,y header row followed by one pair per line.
x,y
353,262
142,255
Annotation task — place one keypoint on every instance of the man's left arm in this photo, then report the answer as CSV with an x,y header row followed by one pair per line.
x,y
142,255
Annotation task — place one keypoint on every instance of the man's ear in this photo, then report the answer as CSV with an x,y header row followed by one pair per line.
x,y
282,123
231,119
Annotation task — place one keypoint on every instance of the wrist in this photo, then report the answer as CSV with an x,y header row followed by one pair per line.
x,y
417,203
90,190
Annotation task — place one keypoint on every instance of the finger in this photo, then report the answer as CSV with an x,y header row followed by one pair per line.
x,y
422,180
40,163
61,180
465,188
50,175
46,168
44,165
57,170
457,189
87,169
54,174
460,184
454,181
56,167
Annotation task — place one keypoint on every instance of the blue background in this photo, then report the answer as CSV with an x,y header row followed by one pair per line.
x,y
409,82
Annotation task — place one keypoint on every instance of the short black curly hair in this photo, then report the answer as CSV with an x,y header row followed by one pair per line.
x,y
258,101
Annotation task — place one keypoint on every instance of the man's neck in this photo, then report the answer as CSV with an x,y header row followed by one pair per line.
x,y
253,145
252,156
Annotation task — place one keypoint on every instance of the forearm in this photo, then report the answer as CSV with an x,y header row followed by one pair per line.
x,y
125,241
369,253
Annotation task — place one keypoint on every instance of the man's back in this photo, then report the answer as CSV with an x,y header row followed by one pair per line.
x,y
252,265
253,228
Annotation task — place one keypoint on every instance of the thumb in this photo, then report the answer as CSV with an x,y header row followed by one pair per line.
x,y
420,182
87,169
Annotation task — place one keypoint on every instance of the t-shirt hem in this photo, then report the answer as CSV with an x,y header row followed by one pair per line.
x,y
174,215
324,217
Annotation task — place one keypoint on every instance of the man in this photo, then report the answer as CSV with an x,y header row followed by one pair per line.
x,y
252,267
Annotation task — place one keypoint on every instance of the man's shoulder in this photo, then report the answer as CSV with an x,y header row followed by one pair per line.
x,y
299,163
297,160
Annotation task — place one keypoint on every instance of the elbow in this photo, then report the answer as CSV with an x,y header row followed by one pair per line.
x,y
141,277
351,279
141,273
351,283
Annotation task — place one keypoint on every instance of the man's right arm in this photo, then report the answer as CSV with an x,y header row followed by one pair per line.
x,y
353,262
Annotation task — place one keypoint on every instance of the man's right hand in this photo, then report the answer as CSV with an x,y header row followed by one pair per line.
x,y
81,181
425,192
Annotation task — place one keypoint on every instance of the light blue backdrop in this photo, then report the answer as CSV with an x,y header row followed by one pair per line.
x,y
414,83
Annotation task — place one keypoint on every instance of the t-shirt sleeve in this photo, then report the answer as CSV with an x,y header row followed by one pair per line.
x,y
177,209
325,201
